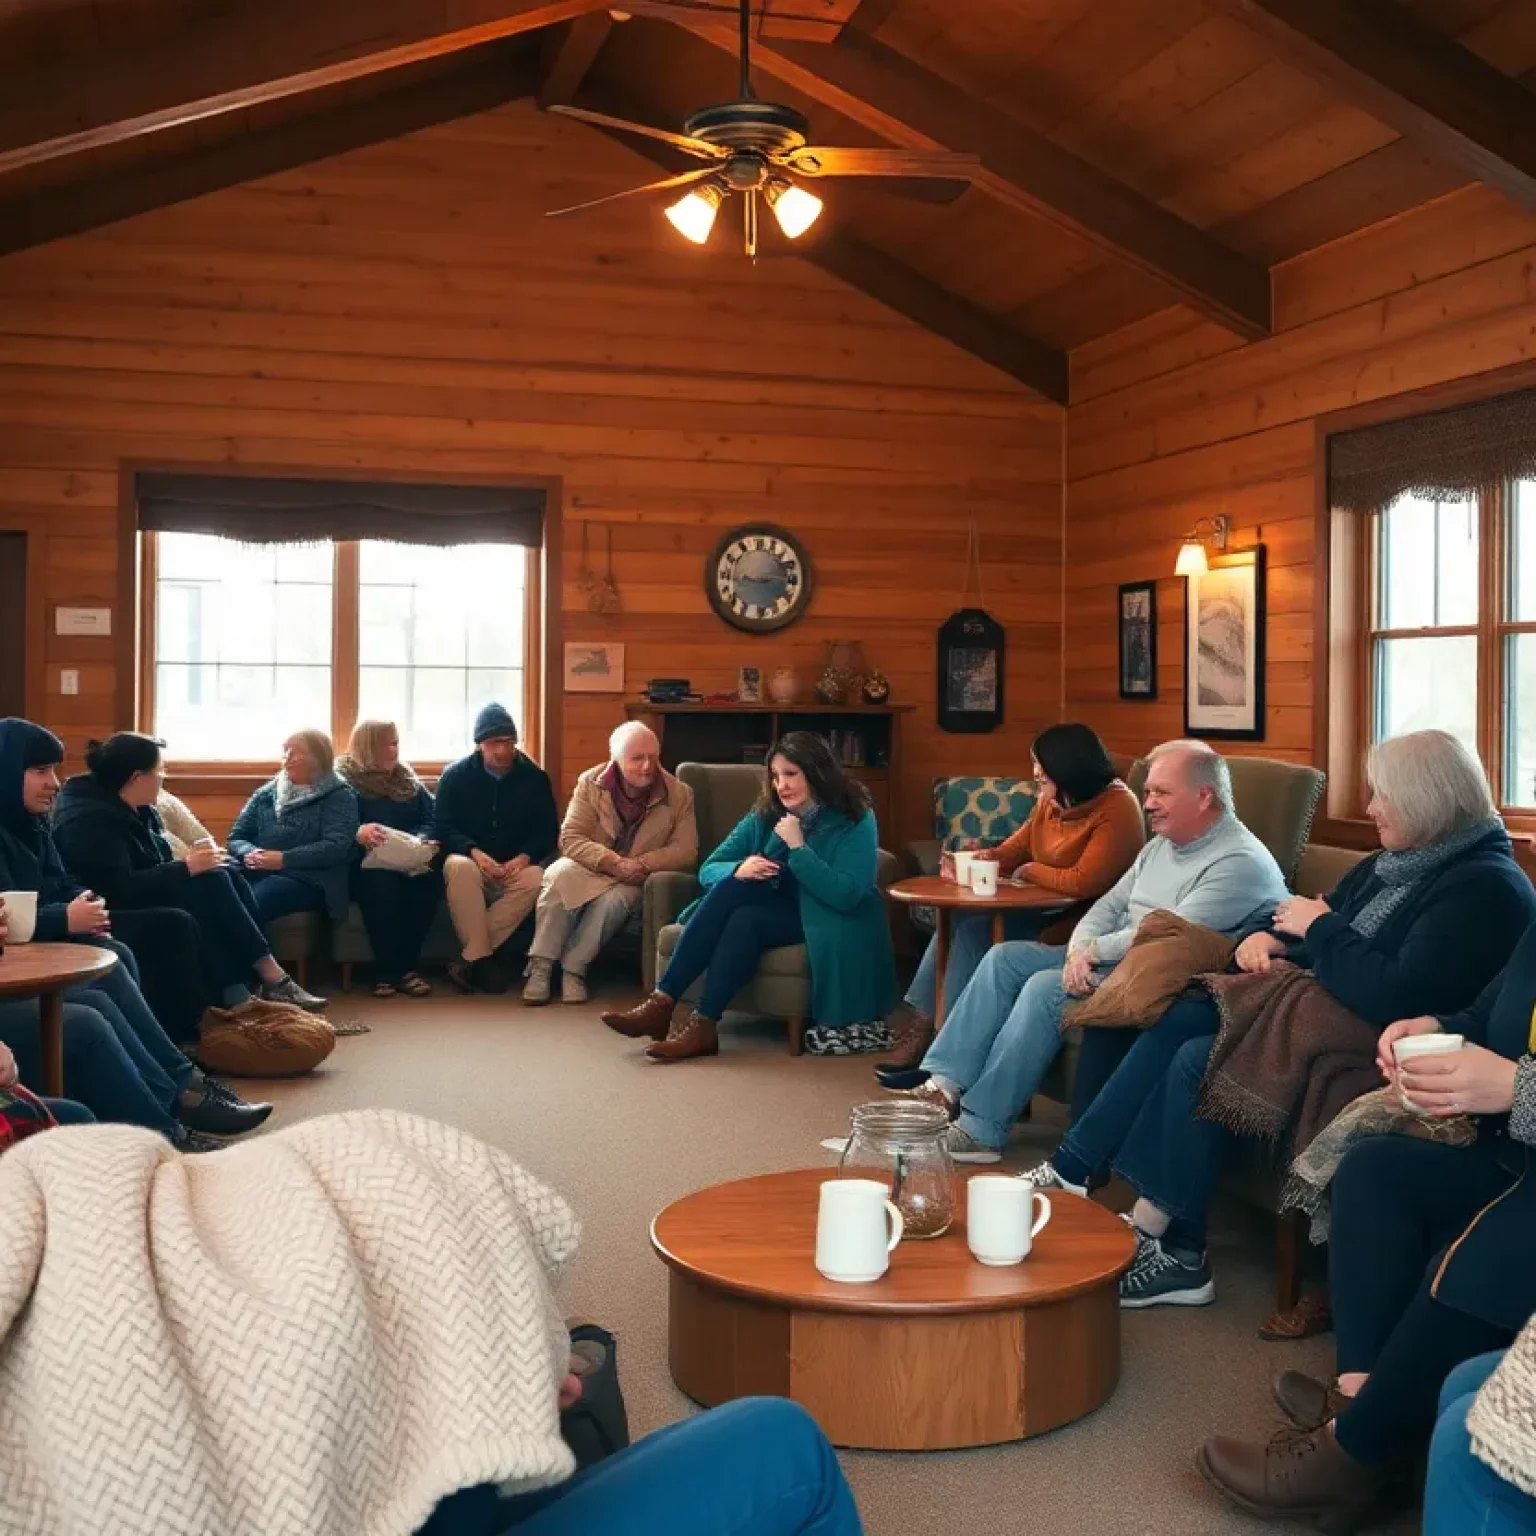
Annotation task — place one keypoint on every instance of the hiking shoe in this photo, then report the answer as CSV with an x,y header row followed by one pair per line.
x,y
289,991
573,988
964,1148
929,1092
1159,1277
1307,1402
536,989
1044,1176
198,1141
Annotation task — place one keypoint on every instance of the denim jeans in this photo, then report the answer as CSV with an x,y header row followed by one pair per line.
x,y
117,996
1104,1127
1464,1496
1000,1035
726,936
278,894
755,1467
1171,1158
397,913
970,937
230,936
68,1112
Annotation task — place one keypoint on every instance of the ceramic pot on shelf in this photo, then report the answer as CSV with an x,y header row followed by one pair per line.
x,y
784,686
877,688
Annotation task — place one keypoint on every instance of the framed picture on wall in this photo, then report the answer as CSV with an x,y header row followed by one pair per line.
x,y
1224,648
594,666
1138,640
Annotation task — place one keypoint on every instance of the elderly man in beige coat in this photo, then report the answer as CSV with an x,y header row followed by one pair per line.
x,y
627,819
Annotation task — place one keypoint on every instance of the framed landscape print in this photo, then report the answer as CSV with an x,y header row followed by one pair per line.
x,y
594,666
1224,648
1138,640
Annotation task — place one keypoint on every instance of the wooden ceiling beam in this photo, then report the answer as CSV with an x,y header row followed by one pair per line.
x,y
873,85
1429,87
889,282
75,207
235,56
571,52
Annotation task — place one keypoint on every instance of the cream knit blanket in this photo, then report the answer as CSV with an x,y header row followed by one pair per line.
x,y
1502,1422
321,1332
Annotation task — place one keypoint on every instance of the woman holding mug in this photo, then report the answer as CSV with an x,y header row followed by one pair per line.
x,y
799,868
1432,1260
111,838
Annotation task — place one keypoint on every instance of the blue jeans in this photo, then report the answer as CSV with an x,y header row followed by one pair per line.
x,y
970,937
230,936
1000,1035
755,1467
1464,1496
278,894
1105,1125
67,1112
726,936
117,995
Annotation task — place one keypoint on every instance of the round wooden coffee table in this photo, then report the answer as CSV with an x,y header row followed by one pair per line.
x,y
948,896
942,1352
46,972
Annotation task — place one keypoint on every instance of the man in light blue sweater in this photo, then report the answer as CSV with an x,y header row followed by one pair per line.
x,y
1004,1029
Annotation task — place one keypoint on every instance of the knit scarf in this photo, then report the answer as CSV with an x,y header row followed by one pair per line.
x,y
397,783
629,804
288,796
1399,872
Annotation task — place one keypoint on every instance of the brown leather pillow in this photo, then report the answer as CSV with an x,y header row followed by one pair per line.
x,y
278,1042
1165,955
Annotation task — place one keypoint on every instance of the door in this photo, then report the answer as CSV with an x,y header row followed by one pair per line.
x,y
13,624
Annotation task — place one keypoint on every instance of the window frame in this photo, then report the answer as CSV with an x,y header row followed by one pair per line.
x,y
345,663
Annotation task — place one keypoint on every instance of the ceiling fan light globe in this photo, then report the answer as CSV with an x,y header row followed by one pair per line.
x,y
794,208
693,215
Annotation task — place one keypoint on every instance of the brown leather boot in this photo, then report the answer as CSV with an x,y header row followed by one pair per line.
x,y
646,1020
1307,1402
911,1035
695,1036
1297,1476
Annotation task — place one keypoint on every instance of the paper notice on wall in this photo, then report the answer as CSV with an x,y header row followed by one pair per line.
x,y
82,621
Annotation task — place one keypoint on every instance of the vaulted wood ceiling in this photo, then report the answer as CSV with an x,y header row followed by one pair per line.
x,y
1134,155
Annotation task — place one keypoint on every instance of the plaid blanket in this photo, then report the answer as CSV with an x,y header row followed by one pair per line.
x,y
22,1114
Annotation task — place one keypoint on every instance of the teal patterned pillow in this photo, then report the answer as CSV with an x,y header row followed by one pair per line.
x,y
989,809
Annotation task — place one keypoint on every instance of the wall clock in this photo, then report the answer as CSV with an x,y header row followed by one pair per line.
x,y
758,579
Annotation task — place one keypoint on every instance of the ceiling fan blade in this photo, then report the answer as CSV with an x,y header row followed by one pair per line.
x,y
822,160
696,147
655,186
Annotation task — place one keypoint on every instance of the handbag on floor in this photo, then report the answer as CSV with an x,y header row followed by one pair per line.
x,y
596,1425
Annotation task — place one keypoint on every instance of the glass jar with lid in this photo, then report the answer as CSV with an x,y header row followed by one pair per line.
x,y
905,1145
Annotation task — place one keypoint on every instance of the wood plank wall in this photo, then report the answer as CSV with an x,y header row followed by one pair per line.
x,y
406,308
1177,420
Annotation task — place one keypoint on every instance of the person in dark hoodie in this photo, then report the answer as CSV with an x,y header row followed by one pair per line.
x,y
118,1061
111,838
498,826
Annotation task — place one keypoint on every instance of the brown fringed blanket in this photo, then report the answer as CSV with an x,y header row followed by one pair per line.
x,y
1288,1056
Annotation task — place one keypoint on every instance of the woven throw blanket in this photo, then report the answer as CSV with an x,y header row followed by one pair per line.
x,y
1288,1056
324,1331
1503,1418
1378,1113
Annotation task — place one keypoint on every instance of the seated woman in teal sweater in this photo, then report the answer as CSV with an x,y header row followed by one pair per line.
x,y
799,868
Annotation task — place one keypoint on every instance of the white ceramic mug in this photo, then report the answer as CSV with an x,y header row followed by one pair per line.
x,y
963,858
984,877
21,912
857,1226
1422,1045
1000,1221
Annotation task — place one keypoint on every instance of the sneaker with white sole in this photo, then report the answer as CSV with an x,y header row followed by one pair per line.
x,y
536,988
1159,1277
964,1148
573,989
1044,1176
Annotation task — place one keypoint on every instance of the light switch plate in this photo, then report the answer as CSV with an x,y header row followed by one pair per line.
x,y
69,681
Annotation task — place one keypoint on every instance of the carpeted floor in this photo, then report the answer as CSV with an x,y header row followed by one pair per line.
x,y
620,1138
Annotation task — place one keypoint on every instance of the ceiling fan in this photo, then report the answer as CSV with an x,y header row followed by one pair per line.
x,y
759,149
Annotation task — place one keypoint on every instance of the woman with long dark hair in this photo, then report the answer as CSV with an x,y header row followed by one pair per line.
x,y
1084,833
799,868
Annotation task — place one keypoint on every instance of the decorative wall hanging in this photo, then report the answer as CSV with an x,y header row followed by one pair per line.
x,y
593,666
971,659
1138,640
758,579
603,596
1224,648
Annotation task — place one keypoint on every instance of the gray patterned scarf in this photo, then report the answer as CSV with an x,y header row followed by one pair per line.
x,y
1399,872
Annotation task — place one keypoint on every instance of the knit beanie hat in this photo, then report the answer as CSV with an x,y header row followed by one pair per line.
x,y
493,720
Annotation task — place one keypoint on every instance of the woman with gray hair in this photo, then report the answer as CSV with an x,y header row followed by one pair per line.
x,y
628,818
1420,927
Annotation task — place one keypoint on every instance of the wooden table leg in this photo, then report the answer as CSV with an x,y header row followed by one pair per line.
x,y
941,931
51,1006
997,927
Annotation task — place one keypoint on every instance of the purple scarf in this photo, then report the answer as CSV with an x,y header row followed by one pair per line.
x,y
629,804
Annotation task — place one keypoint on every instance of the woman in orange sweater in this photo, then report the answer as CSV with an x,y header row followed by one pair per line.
x,y
1083,834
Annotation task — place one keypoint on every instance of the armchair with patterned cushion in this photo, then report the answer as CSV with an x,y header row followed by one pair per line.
x,y
722,794
987,808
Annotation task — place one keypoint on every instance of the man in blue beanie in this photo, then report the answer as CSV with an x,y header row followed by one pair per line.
x,y
498,825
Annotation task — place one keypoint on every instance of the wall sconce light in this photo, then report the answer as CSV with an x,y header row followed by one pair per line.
x,y
1192,561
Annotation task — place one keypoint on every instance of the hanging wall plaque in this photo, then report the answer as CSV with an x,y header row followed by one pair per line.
x,y
971,658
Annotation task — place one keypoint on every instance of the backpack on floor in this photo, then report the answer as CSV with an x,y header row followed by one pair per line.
x,y
597,1425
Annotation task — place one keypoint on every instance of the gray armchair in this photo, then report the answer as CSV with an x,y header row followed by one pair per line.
x,y
722,794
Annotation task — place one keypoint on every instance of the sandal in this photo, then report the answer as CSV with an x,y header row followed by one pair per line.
x,y
384,989
415,986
